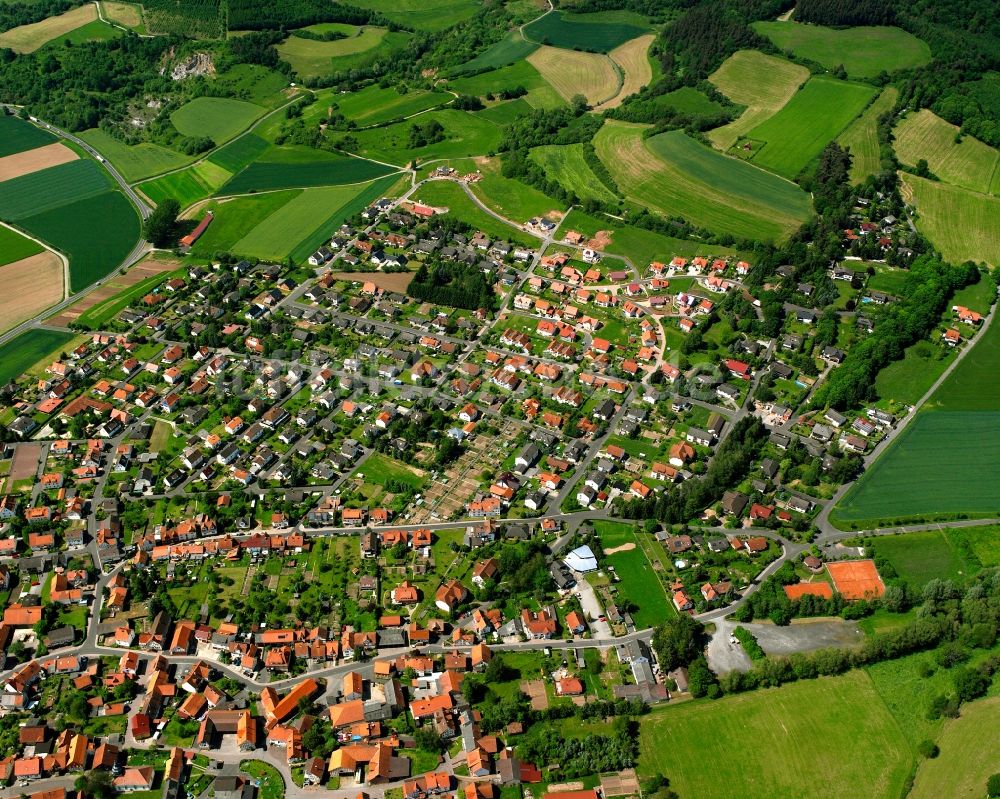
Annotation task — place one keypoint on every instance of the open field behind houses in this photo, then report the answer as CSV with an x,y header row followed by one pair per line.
x,y
27,349
633,60
17,135
572,73
815,116
219,118
763,83
968,757
940,206
864,52
447,194
830,738
673,174
30,285
565,164
600,32
923,134
28,38
861,136
234,218
28,161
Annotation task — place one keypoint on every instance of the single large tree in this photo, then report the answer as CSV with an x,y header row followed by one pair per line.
x,y
161,224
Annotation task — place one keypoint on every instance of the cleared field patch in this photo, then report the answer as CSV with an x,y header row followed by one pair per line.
x,y
50,188
511,48
817,113
127,14
188,185
763,83
430,15
924,134
632,59
28,38
920,557
864,52
95,233
135,161
30,285
571,73
235,218
861,136
387,281
509,197
447,194
968,757
17,135
310,57
834,726
596,33
565,164
639,584
24,351
14,246
674,175
264,176
219,118
962,224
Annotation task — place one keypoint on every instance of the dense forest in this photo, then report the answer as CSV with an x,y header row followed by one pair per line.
x,y
457,285
26,13
254,15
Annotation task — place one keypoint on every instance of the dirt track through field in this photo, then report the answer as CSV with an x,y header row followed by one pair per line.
x,y
29,287
24,163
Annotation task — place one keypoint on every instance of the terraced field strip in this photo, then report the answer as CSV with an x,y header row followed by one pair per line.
x,y
862,136
632,59
962,224
763,83
571,73
815,116
923,134
28,38
673,174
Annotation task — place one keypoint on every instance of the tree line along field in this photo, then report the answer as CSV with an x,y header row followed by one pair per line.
x,y
375,105
927,471
861,136
464,135
939,209
967,759
763,83
565,164
829,738
599,32
813,118
135,162
969,164
675,175
864,52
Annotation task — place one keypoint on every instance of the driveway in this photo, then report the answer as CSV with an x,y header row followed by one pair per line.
x,y
591,606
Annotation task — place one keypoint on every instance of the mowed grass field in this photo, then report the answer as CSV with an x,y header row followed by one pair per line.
x,y
920,557
464,135
599,32
429,15
571,73
831,738
864,52
923,134
763,83
565,164
673,174
14,246
312,58
28,38
219,118
940,207
234,218
135,161
239,152
24,351
447,194
511,48
374,105
861,136
632,59
187,186
18,135
639,583
264,176
511,198
815,116
930,468
968,756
